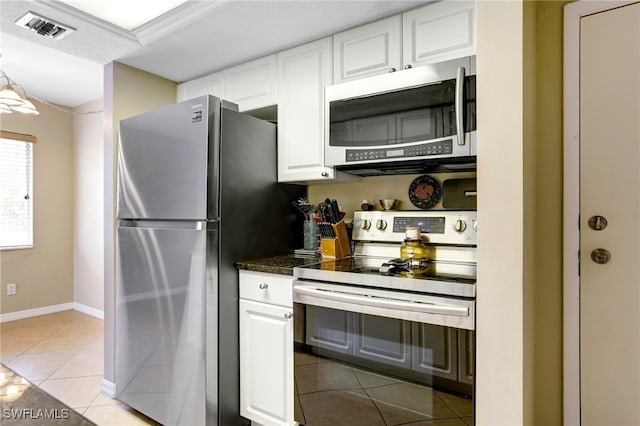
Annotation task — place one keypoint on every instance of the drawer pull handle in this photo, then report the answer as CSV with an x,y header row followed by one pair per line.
x,y
288,315
263,286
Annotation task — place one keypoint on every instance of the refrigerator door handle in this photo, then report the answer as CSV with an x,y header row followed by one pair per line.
x,y
162,224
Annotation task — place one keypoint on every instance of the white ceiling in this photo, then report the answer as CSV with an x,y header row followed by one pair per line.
x,y
195,39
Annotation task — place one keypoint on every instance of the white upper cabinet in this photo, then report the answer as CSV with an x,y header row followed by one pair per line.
x,y
368,50
252,85
438,32
208,85
303,73
433,33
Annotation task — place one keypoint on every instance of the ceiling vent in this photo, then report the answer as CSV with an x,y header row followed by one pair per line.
x,y
44,26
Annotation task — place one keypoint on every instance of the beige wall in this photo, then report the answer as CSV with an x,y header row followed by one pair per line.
x,y
127,91
88,246
548,153
44,274
500,385
519,323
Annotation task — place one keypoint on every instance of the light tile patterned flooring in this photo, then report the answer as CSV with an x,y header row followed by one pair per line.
x,y
62,353
335,393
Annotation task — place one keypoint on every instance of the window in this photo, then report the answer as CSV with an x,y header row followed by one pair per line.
x,y
16,184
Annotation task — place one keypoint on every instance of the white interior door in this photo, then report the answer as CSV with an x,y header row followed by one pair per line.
x,y
610,190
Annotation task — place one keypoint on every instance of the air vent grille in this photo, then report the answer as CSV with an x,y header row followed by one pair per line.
x,y
44,26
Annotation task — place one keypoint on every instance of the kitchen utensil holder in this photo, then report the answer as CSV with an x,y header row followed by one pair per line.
x,y
338,247
310,235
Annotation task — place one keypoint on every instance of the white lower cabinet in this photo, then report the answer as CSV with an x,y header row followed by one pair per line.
x,y
266,348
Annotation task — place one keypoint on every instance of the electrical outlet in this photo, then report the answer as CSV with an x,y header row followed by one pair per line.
x,y
11,289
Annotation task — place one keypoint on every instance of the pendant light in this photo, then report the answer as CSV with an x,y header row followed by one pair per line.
x,y
11,100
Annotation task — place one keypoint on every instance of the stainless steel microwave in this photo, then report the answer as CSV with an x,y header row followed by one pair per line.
x,y
403,120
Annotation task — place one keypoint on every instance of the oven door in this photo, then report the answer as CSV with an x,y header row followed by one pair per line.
x,y
438,310
381,357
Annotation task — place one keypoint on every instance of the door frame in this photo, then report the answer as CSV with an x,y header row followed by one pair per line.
x,y
573,13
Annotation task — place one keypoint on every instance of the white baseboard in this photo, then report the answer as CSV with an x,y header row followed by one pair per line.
x,y
12,316
88,310
108,388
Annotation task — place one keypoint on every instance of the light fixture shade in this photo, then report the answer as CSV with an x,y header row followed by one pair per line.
x,y
9,97
26,108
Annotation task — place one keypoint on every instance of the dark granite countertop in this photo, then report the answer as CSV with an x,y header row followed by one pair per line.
x,y
283,264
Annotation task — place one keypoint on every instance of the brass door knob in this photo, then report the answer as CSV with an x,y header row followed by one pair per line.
x,y
600,256
597,223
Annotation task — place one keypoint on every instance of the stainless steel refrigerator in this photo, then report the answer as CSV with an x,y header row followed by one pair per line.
x,y
197,192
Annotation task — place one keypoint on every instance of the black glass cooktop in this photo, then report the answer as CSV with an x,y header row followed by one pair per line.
x,y
370,265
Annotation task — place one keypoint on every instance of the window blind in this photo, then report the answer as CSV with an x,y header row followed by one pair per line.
x,y
16,200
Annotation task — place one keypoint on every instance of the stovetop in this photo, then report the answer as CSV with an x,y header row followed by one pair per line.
x,y
377,236
365,271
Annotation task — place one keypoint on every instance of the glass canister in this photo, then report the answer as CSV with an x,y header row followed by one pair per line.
x,y
413,247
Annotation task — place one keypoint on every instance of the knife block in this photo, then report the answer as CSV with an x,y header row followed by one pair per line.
x,y
338,247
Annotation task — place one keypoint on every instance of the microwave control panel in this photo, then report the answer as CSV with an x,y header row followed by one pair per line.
x,y
444,147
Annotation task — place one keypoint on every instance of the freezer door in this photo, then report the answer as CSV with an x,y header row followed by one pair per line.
x,y
160,318
167,162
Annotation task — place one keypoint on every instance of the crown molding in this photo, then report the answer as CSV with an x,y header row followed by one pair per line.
x,y
175,19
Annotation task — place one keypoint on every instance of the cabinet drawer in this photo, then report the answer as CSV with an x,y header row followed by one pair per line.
x,y
267,288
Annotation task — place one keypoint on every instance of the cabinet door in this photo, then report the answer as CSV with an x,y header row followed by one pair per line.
x,y
303,73
385,340
466,361
368,50
266,363
438,32
208,85
435,350
252,85
330,329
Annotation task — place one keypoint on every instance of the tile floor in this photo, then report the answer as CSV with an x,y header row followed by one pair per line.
x,y
62,354
335,393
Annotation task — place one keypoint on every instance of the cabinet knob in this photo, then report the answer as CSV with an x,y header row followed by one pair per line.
x,y
392,70
406,67
263,286
324,174
288,315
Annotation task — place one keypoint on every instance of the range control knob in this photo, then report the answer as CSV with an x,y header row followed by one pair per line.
x,y
366,224
381,224
459,225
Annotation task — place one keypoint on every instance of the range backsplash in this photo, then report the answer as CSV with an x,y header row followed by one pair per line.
x,y
351,195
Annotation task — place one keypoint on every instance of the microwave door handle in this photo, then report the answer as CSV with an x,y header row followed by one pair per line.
x,y
460,105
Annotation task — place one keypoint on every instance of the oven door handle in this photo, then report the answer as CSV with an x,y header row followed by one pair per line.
x,y
384,302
